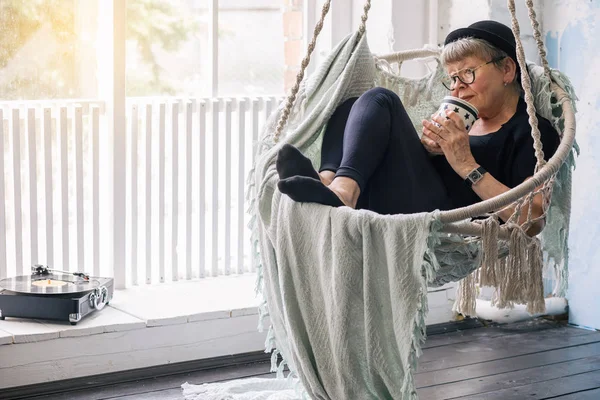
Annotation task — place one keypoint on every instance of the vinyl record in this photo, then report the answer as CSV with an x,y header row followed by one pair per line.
x,y
48,284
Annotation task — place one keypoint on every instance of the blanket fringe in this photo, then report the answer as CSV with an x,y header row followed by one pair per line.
x,y
429,269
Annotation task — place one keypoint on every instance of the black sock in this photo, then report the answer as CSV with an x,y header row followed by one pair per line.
x,y
291,162
308,190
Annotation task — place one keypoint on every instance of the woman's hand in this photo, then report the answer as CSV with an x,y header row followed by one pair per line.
x,y
453,139
431,146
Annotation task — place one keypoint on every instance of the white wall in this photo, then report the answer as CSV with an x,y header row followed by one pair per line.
x,y
379,24
452,15
396,25
572,37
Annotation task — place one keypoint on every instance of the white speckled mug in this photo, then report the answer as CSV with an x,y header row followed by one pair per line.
x,y
464,109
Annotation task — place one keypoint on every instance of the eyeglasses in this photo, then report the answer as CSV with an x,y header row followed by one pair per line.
x,y
466,75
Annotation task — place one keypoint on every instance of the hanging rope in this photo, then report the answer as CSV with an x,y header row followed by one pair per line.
x,y
547,190
311,47
538,38
526,82
292,97
363,25
529,100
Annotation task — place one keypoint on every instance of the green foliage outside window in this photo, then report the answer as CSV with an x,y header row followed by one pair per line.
x,y
150,23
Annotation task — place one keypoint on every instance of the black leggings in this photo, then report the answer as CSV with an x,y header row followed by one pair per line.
x,y
372,140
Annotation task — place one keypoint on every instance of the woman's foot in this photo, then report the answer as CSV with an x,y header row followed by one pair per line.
x,y
346,189
291,162
343,191
308,190
327,177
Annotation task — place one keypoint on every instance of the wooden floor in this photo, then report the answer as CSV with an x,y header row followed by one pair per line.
x,y
538,359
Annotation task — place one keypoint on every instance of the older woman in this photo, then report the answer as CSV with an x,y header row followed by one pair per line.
x,y
372,157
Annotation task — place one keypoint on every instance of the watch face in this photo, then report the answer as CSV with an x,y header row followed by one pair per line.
x,y
474,175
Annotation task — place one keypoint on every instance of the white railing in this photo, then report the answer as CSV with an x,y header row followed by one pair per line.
x,y
187,163
49,149
188,215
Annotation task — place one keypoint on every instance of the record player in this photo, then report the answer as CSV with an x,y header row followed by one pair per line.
x,y
54,294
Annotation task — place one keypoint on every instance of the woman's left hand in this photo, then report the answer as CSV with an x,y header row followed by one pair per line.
x,y
453,138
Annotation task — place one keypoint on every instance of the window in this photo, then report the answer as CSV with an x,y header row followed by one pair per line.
x,y
166,48
250,42
170,50
48,49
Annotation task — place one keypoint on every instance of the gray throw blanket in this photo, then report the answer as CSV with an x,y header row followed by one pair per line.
x,y
347,294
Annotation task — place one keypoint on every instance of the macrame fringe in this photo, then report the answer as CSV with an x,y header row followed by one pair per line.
x,y
513,285
535,296
517,278
466,296
488,274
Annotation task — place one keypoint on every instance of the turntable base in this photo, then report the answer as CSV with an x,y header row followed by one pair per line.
x,y
53,296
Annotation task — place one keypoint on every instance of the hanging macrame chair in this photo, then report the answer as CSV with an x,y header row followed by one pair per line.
x,y
472,244
468,244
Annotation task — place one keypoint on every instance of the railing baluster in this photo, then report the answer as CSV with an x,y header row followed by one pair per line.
x,y
47,137
241,183
148,187
255,120
188,189
175,189
215,188
64,185
202,189
78,132
269,104
33,198
16,130
227,254
161,192
255,114
134,196
95,128
3,265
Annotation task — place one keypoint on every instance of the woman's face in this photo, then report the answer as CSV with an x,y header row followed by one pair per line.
x,y
487,92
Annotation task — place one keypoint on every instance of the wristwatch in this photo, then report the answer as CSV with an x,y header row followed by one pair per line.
x,y
475,176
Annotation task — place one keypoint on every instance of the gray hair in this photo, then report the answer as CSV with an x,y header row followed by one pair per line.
x,y
474,47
